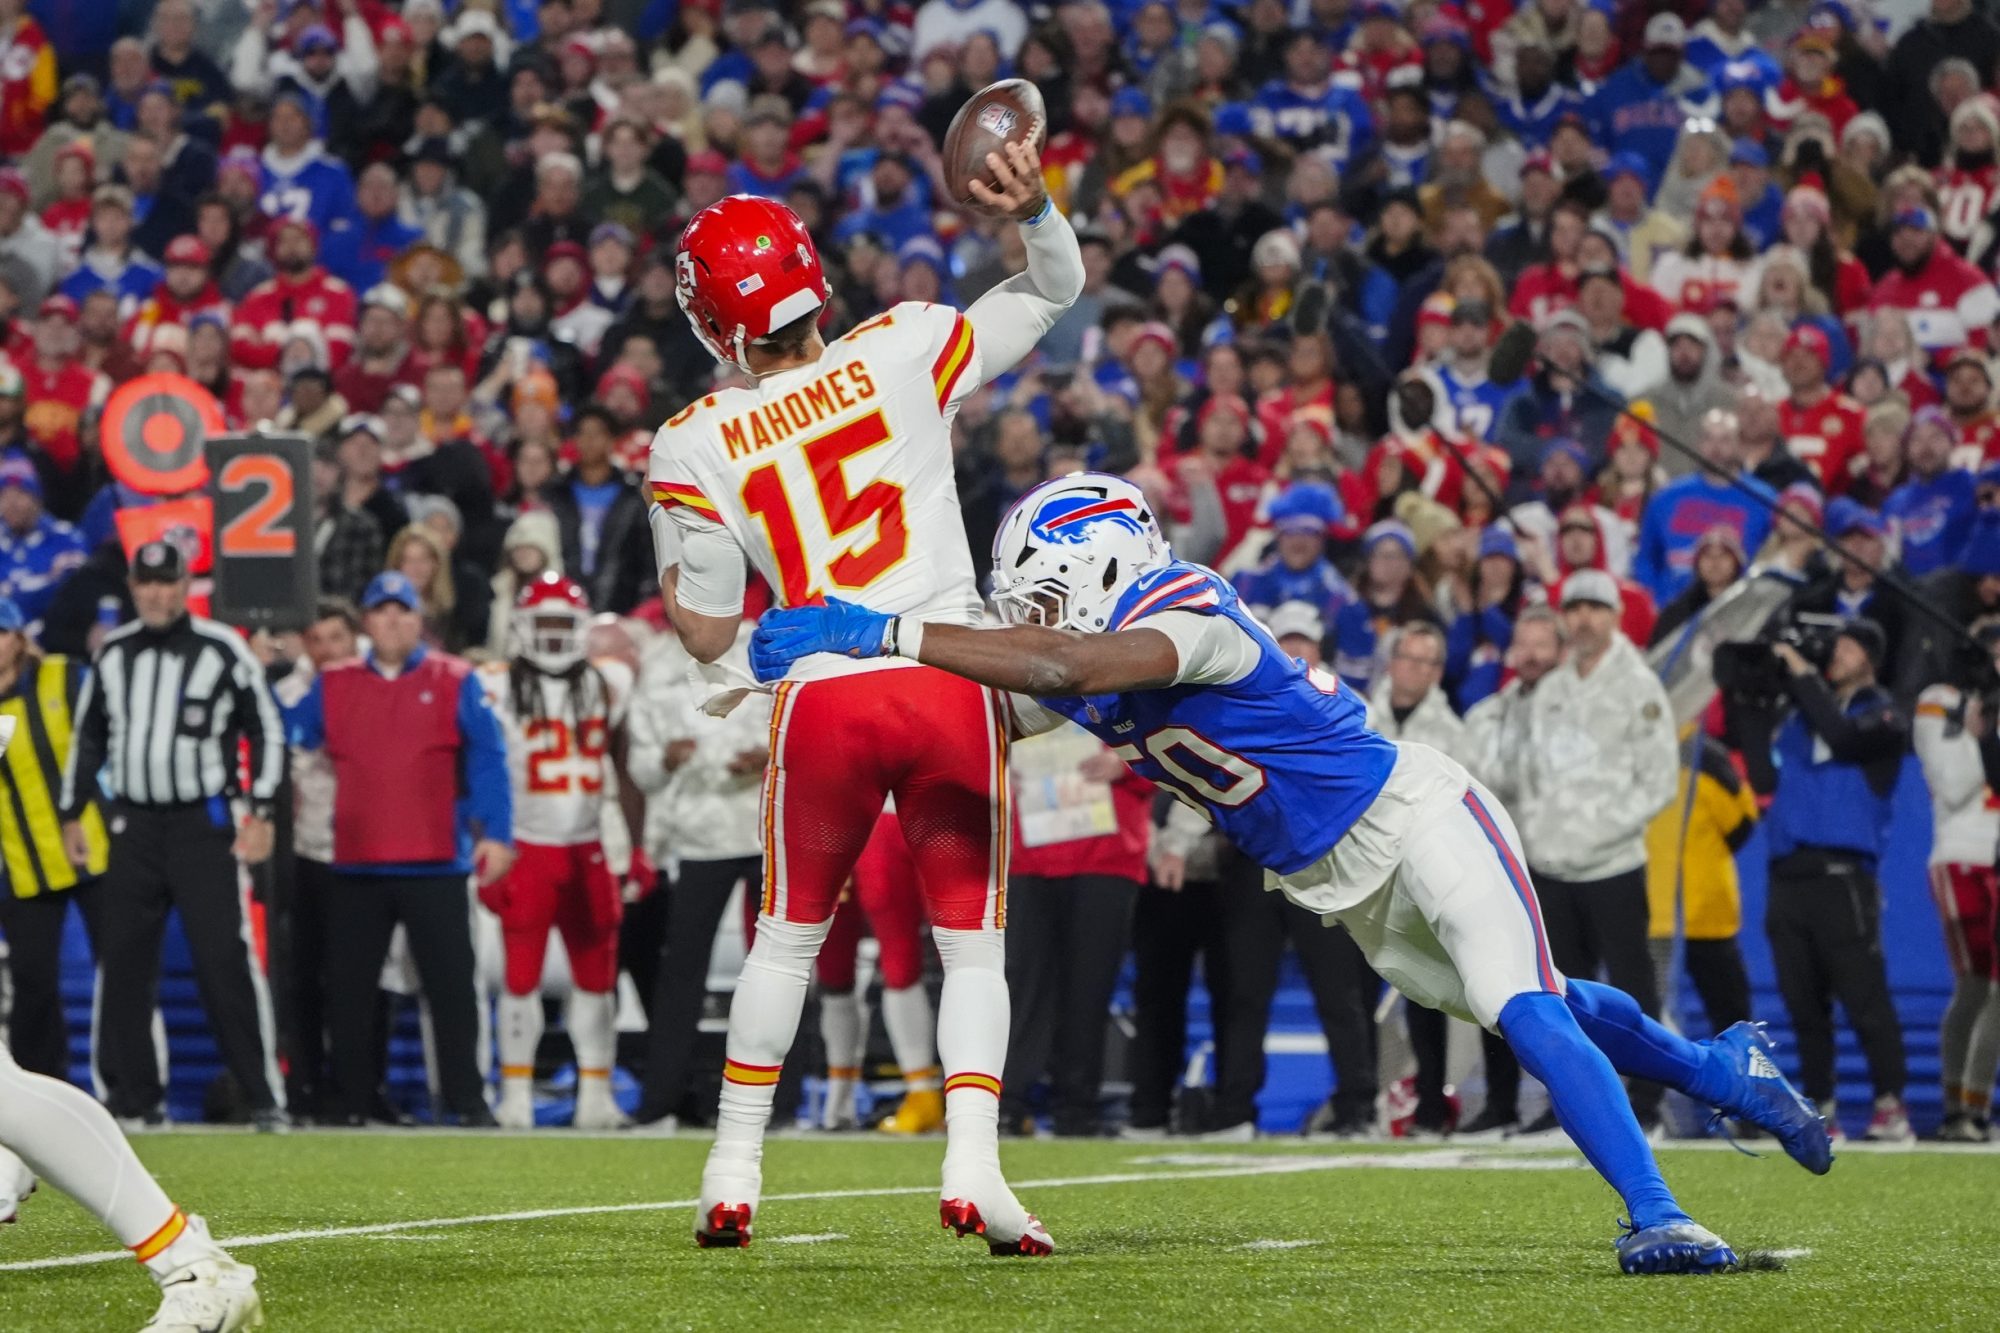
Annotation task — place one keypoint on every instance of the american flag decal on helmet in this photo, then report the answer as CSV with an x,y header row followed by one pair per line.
x,y
749,284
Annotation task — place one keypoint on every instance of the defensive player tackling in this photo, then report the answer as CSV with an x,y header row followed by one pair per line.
x,y
834,473
1393,840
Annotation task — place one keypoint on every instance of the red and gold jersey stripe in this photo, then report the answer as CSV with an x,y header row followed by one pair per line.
x,y
973,1083
151,1247
953,360
734,1071
668,494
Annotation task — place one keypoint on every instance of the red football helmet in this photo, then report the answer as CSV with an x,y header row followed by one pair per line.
x,y
746,268
551,617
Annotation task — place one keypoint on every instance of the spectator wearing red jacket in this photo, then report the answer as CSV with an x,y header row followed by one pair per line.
x,y
60,391
1581,544
1822,428
1949,303
186,291
301,293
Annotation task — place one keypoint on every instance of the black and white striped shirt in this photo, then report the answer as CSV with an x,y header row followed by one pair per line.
x,y
165,709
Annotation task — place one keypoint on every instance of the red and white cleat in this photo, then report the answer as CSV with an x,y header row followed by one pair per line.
x,y
962,1216
731,1184
725,1226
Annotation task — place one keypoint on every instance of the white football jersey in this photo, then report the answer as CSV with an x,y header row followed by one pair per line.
x,y
836,479
560,761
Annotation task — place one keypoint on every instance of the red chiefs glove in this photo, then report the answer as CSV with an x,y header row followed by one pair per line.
x,y
494,896
642,878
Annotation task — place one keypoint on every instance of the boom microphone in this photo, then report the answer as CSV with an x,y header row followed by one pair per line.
x,y
1513,353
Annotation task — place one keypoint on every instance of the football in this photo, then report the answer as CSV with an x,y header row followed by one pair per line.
x,y
1010,111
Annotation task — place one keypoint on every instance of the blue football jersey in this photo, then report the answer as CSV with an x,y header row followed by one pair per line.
x,y
1283,760
1475,404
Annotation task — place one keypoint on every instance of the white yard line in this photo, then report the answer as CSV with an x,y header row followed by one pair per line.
x,y
819,1239
1282,1166
1274,1245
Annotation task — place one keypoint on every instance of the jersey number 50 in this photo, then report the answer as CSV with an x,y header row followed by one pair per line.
x,y
859,565
1245,779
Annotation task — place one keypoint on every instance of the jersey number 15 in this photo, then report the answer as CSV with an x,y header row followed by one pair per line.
x,y
844,510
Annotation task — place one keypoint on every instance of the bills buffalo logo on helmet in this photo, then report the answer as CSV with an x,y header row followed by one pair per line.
x,y
1069,518
997,120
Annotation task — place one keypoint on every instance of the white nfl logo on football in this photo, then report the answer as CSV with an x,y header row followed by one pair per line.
x,y
997,119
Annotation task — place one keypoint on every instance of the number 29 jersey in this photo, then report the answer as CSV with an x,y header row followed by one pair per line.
x,y
836,479
1282,758
559,760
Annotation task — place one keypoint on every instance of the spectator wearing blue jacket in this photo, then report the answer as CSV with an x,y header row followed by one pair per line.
x,y
36,552
359,254
422,800
1388,597
1684,509
1931,513
1297,570
113,263
1477,639
1643,107
895,210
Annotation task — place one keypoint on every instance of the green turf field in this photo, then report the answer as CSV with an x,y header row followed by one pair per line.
x,y
1149,1236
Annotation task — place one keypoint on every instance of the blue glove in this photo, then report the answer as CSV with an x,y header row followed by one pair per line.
x,y
783,637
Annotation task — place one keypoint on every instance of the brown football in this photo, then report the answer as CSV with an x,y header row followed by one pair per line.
x,y
999,114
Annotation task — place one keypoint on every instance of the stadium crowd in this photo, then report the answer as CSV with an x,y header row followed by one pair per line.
x,y
439,240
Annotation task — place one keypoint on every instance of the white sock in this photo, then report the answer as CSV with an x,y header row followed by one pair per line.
x,y
841,1033
763,1021
592,1017
973,1015
74,1144
912,1029
520,1033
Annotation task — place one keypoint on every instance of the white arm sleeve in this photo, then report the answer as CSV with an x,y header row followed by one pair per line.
x,y
712,573
1008,321
1214,650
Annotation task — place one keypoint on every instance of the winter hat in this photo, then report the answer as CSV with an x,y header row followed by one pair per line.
x,y
1308,506
1727,538
1496,540
1389,530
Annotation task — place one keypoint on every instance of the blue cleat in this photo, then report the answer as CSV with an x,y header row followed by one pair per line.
x,y
1766,1098
1680,1245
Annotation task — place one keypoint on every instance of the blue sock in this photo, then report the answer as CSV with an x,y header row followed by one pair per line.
x,y
1590,1103
1645,1048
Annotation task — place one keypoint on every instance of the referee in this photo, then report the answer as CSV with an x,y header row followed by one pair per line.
x,y
172,703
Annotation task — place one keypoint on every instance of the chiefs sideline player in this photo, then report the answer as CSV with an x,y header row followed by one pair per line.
x,y
833,474
565,724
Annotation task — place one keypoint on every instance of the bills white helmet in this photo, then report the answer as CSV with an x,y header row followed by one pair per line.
x,y
551,617
1070,548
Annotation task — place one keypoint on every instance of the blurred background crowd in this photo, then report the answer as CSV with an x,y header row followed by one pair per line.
x,y
1755,244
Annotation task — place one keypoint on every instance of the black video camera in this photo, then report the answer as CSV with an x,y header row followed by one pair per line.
x,y
1750,674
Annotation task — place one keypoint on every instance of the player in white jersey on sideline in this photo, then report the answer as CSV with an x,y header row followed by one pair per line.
x,y
65,1137
833,474
564,718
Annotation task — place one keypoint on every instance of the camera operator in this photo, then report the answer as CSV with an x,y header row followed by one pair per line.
x,y
1828,754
